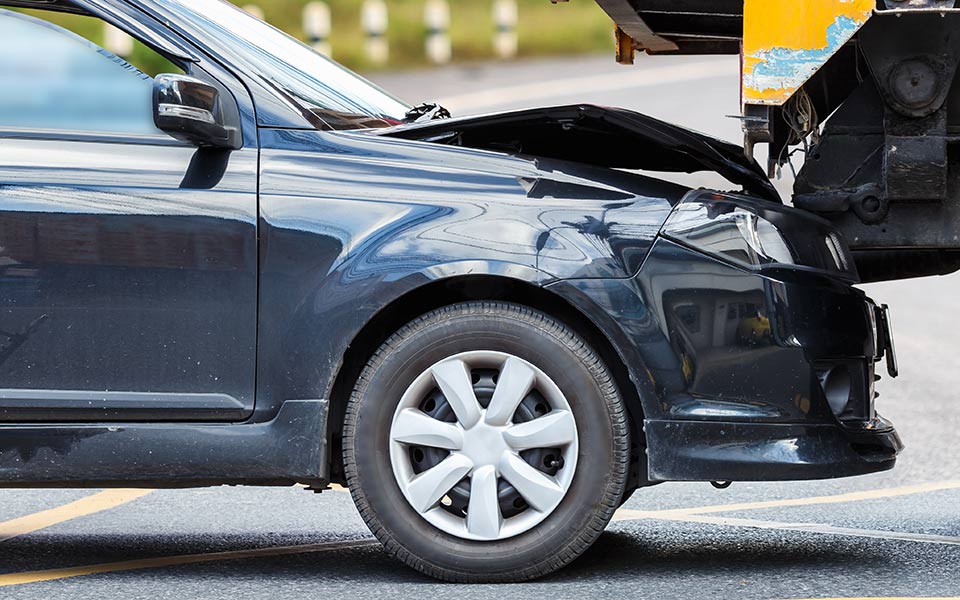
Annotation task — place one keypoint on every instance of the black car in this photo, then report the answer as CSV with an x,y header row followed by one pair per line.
x,y
260,269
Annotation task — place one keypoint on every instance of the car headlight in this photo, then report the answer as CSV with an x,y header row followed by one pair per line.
x,y
759,235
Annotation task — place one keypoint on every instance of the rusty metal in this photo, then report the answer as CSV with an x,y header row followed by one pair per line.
x,y
634,26
625,47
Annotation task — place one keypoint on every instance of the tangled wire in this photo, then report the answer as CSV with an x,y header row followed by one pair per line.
x,y
801,117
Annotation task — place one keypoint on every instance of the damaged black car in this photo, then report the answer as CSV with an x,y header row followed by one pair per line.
x,y
260,269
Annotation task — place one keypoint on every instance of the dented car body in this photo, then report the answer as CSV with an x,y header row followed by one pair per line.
x,y
216,305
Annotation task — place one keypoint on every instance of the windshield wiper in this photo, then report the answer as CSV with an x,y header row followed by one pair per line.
x,y
428,111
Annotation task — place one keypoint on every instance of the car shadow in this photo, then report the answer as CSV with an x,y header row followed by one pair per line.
x,y
615,554
708,553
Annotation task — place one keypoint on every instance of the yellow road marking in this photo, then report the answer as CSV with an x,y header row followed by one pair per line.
x,y
168,561
80,508
111,498
624,514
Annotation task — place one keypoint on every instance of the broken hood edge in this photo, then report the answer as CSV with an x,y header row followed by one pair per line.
x,y
596,135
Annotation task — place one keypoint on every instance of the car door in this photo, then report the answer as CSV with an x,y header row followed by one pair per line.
x,y
128,259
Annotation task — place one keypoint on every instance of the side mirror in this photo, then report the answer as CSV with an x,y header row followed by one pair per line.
x,y
189,109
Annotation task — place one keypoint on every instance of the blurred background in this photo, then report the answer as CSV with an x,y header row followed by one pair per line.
x,y
370,35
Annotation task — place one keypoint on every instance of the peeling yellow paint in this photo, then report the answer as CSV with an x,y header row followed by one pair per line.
x,y
787,41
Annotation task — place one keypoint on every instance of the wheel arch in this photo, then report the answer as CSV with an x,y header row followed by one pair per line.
x,y
467,287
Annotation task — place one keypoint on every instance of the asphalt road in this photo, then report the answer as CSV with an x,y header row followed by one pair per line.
x,y
885,535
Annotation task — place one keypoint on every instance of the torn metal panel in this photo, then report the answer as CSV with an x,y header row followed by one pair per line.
x,y
599,136
779,58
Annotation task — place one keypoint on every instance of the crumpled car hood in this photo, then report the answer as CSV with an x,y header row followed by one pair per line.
x,y
595,135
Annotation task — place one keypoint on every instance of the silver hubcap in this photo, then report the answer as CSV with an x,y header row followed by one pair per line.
x,y
483,445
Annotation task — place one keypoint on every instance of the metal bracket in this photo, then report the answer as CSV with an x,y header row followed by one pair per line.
x,y
915,156
913,60
632,26
626,46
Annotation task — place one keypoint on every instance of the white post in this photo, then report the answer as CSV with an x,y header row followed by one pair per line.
x,y
317,25
254,10
374,20
505,17
436,16
117,41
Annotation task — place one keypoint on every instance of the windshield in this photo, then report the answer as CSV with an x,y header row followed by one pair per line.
x,y
338,97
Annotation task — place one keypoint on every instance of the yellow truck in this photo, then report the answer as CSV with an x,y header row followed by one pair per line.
x,y
864,89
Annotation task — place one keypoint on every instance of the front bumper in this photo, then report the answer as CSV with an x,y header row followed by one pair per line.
x,y
743,376
729,451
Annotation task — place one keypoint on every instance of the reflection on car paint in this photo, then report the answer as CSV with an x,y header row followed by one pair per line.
x,y
138,263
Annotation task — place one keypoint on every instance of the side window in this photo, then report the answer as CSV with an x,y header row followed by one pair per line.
x,y
53,79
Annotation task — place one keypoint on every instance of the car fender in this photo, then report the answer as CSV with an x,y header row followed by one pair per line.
x,y
350,222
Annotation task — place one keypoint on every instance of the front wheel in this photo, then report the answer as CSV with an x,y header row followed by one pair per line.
x,y
484,442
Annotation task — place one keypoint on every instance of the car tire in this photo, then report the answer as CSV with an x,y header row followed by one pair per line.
x,y
539,530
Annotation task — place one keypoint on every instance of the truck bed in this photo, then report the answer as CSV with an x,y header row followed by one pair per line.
x,y
680,26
